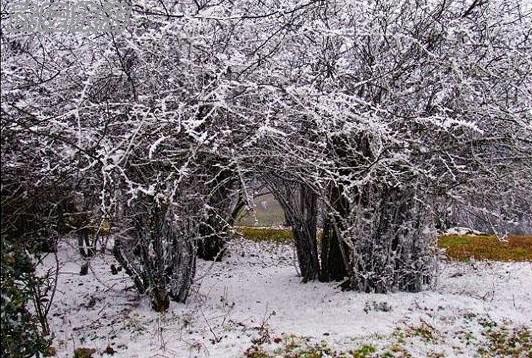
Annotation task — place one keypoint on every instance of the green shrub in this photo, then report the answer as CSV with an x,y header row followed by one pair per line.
x,y
365,351
21,334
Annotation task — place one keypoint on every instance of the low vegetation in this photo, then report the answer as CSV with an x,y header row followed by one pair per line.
x,y
491,340
298,347
269,234
487,247
507,342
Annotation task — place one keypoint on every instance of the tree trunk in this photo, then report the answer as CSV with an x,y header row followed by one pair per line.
x,y
300,207
214,233
392,250
87,248
159,299
304,228
160,255
333,260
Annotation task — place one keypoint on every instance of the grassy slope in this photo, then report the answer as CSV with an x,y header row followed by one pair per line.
x,y
268,212
487,247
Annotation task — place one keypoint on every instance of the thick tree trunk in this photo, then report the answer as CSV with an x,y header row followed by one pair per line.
x,y
333,250
300,206
304,228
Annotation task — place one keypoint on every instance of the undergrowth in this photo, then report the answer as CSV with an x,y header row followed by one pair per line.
x,y
259,234
487,247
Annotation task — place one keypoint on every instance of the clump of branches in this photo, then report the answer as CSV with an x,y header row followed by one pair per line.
x,y
159,251
390,244
372,110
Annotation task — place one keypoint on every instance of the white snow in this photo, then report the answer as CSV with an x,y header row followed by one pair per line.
x,y
258,286
459,230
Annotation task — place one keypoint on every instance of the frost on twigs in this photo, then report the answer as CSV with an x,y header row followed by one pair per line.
x,y
159,253
388,244
199,101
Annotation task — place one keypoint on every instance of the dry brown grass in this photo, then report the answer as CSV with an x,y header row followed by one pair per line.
x,y
265,234
487,247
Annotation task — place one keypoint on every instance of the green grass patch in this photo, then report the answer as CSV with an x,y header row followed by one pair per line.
x,y
506,342
487,247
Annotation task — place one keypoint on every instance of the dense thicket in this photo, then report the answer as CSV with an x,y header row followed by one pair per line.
x,y
380,112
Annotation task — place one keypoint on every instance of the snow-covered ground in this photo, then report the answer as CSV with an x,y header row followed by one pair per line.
x,y
254,298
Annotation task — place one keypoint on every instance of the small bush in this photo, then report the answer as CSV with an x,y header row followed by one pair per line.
x,y
365,351
21,333
84,352
256,351
425,331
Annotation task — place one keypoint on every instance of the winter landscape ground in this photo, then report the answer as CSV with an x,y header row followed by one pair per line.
x,y
251,305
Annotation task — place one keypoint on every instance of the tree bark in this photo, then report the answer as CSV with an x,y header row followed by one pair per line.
x,y
300,206
160,255
214,233
333,261
304,228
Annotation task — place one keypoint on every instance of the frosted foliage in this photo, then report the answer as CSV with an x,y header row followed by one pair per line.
x,y
382,119
391,243
159,254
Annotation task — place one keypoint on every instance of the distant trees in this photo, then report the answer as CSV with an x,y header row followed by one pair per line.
x,y
380,112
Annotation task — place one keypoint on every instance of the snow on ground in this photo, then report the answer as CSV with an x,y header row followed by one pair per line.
x,y
459,230
254,297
